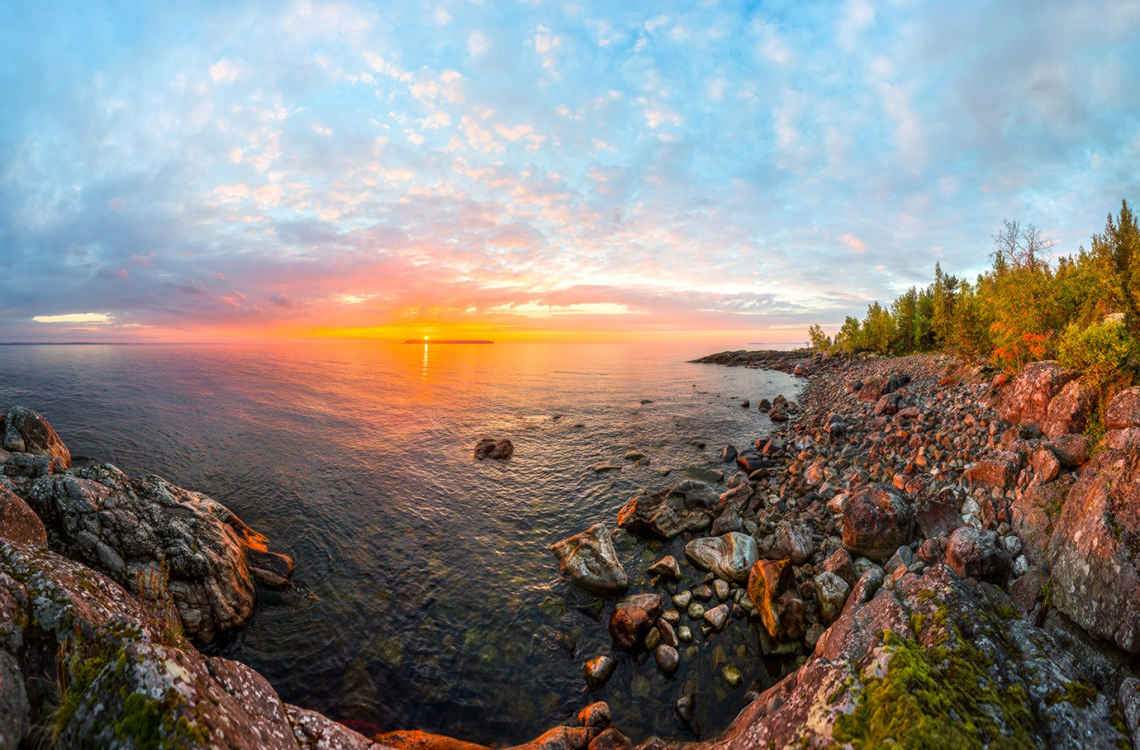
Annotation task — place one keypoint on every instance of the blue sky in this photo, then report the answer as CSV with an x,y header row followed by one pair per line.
x,y
263,169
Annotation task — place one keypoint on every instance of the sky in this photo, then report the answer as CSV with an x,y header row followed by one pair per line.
x,y
232,171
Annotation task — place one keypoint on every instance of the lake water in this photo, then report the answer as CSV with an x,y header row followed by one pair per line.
x,y
432,598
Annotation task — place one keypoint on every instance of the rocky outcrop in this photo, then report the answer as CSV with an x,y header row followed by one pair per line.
x,y
147,532
18,522
1123,411
927,664
1094,553
877,519
125,677
590,561
25,431
1069,410
150,536
1027,397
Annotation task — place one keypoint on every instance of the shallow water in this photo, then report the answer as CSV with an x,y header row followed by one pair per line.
x,y
435,602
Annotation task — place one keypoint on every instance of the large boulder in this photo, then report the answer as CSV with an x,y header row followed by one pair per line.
x,y
590,561
152,536
996,471
1071,450
632,618
874,388
25,431
1069,410
1026,399
977,553
1033,514
1094,551
666,513
1124,410
877,520
928,664
730,556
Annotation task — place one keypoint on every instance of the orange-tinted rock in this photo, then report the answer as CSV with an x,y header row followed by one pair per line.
x,y
1124,410
18,522
413,739
1028,396
877,520
24,431
977,553
491,448
997,470
1069,410
632,618
768,583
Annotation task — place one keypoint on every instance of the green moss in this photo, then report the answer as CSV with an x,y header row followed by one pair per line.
x,y
158,723
1076,693
941,697
917,622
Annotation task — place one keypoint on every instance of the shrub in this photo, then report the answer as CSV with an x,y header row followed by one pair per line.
x,y
1100,352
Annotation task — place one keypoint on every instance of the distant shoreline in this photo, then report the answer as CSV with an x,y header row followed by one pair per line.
x,y
448,341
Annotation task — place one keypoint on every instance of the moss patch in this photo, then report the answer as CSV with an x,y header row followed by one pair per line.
x,y
1076,693
936,698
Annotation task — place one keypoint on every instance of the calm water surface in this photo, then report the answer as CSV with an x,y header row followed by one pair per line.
x,y
435,602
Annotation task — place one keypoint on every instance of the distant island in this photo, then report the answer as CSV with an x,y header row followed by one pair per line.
x,y
448,341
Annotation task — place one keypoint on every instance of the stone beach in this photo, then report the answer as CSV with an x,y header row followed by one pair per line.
x,y
918,533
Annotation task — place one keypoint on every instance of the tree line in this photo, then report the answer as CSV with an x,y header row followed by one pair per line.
x,y
1083,309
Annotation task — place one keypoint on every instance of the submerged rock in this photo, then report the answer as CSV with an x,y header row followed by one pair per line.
x,y
598,671
590,561
632,618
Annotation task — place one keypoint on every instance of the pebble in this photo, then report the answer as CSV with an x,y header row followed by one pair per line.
x,y
696,611
732,676
722,589
667,658
682,600
717,616
685,634
599,670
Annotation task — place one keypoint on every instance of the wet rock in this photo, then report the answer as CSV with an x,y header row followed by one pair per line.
x,y
633,455
778,414
682,599
730,556
772,592
831,593
668,635
599,670
732,676
717,616
609,739
632,618
728,454
18,522
1092,549
667,567
667,658
413,739
877,520
980,554
749,461
998,470
721,588
491,448
25,431
664,514
590,561
1028,395
1069,410
1122,412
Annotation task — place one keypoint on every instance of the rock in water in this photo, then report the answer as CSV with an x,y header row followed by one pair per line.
x,y
632,618
667,566
491,448
667,658
1093,551
598,671
877,520
25,431
146,533
590,561
730,556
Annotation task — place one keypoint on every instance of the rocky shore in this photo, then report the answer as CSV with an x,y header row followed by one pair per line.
x,y
921,552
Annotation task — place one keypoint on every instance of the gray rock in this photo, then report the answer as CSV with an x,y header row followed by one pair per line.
x,y
978,553
24,431
667,566
730,556
590,561
667,658
831,592
717,616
